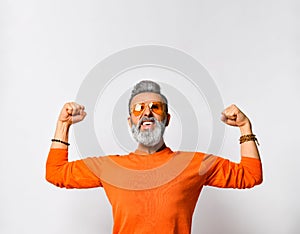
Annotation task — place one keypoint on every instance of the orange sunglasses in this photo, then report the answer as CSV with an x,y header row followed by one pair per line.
x,y
156,107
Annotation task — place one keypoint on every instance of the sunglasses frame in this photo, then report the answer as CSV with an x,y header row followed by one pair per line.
x,y
149,104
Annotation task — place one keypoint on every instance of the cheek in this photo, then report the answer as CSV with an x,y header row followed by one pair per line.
x,y
133,120
159,117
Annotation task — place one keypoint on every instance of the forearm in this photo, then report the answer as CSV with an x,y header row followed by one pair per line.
x,y
248,148
61,133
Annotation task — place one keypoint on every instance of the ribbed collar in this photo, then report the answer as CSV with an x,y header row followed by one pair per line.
x,y
157,157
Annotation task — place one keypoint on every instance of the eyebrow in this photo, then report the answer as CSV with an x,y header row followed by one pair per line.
x,y
146,101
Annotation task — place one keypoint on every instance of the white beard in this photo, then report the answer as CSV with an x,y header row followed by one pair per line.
x,y
149,137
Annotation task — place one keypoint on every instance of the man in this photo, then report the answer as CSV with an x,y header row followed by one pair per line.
x,y
152,190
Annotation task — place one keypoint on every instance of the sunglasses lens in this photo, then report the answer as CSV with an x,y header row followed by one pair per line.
x,y
157,107
138,109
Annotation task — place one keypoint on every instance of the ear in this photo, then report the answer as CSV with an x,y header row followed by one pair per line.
x,y
129,121
168,119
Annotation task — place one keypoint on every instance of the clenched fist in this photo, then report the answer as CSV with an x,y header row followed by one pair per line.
x,y
71,113
233,116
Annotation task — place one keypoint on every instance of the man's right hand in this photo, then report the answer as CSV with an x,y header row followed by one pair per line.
x,y
72,113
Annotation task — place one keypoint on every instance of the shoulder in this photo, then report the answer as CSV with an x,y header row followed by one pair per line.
x,y
189,157
190,154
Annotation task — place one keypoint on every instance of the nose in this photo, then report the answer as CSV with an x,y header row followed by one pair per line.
x,y
147,111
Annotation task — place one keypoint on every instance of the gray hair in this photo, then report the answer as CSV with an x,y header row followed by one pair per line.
x,y
146,86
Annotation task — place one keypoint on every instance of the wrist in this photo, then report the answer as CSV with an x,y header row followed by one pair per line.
x,y
62,131
63,124
246,129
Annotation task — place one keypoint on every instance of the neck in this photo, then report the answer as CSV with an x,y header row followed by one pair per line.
x,y
151,149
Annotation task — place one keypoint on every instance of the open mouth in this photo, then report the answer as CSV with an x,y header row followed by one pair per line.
x,y
147,124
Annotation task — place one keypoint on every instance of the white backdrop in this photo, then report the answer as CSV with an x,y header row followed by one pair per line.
x,y
47,49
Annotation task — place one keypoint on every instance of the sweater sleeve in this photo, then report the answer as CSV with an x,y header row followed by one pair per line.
x,y
226,174
66,174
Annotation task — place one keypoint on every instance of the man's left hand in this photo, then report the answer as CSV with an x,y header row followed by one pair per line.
x,y
233,116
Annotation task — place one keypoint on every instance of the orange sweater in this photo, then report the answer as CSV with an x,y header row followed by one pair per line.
x,y
156,193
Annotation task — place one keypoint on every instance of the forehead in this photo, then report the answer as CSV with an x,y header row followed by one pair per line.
x,y
144,97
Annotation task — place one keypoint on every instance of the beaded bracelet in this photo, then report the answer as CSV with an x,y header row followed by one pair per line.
x,y
63,142
249,137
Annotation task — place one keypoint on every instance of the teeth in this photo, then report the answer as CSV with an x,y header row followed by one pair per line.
x,y
147,123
